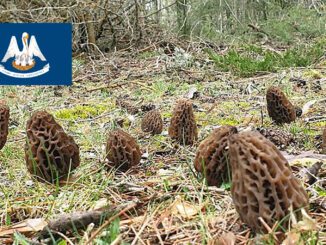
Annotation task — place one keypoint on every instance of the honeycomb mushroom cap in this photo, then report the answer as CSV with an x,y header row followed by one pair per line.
x,y
147,107
279,107
50,153
152,122
122,150
262,181
183,126
4,122
212,158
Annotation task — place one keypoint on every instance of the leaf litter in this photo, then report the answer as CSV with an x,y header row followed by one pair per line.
x,y
172,206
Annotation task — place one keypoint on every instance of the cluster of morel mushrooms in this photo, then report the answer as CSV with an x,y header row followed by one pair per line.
x,y
263,185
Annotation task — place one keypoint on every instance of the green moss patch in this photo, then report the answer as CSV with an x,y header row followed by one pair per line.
x,y
80,112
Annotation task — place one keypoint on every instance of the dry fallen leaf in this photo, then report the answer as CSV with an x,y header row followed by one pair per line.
x,y
306,224
29,225
306,107
306,161
184,209
226,239
191,93
101,203
292,238
306,154
135,220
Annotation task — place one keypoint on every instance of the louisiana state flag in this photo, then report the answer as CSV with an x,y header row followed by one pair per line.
x,y
35,54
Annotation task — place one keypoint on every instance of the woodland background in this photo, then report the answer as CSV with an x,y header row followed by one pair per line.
x,y
113,25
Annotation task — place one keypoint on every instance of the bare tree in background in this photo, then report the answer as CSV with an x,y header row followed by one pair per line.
x,y
103,25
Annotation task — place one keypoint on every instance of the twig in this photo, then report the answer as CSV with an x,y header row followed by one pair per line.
x,y
63,236
106,223
157,232
135,232
270,230
140,231
76,220
117,240
315,119
144,225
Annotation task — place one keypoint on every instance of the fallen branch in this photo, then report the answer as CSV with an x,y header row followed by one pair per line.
x,y
307,154
315,119
81,220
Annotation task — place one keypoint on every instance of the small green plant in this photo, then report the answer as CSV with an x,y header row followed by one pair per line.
x,y
20,239
8,219
226,186
111,233
166,185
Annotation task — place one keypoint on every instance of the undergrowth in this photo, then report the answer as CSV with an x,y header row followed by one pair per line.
x,y
295,24
253,59
284,26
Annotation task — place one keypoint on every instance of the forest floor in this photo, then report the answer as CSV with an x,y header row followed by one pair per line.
x,y
169,203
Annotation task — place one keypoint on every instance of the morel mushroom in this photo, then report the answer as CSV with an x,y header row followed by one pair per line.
x,y
4,121
50,153
212,158
152,122
147,107
122,150
279,107
183,126
262,181
323,146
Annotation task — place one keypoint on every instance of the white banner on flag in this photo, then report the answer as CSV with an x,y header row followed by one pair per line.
x,y
45,69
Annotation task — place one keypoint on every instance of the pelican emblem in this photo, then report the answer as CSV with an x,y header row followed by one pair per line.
x,y
23,59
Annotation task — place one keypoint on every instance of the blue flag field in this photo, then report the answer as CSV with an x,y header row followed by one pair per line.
x,y
35,54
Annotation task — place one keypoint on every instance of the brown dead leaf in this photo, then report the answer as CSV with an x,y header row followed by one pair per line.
x,y
306,161
306,224
251,120
216,220
304,157
29,225
101,203
135,220
226,239
292,238
307,107
184,209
